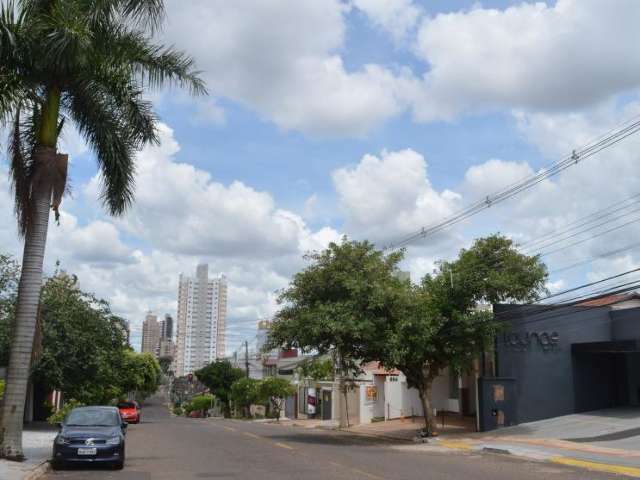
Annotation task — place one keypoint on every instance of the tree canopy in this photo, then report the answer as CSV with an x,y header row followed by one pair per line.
x,y
9,275
84,350
341,303
244,392
275,390
218,377
351,302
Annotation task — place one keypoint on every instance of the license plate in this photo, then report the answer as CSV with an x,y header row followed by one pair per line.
x,y
87,451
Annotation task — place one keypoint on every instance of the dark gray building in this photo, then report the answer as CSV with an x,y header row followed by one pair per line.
x,y
570,359
166,327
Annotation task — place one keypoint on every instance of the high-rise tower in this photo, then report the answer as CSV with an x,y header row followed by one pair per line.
x,y
202,312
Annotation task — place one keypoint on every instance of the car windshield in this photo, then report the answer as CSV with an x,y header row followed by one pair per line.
x,y
92,417
126,405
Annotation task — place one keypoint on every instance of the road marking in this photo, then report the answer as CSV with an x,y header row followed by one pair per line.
x,y
231,429
284,445
252,435
455,445
366,474
600,467
336,464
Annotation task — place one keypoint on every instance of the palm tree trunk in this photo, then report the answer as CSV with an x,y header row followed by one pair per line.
x,y
12,412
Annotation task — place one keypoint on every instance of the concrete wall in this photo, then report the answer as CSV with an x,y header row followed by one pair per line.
x,y
544,374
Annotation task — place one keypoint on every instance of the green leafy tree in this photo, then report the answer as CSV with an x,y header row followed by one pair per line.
x,y
165,364
202,403
83,344
441,327
81,63
218,377
244,393
275,391
316,369
9,275
139,374
342,304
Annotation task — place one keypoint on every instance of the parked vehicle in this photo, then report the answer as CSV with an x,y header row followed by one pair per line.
x,y
130,411
91,435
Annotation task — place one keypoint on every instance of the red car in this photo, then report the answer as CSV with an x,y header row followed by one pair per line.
x,y
129,411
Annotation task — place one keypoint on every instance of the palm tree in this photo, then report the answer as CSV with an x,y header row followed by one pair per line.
x,y
85,63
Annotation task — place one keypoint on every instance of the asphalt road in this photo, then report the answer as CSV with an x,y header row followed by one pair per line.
x,y
166,447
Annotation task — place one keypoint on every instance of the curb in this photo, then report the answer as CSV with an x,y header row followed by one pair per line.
x,y
596,466
558,459
38,471
501,451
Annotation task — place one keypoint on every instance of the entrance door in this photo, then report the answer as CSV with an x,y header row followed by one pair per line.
x,y
326,405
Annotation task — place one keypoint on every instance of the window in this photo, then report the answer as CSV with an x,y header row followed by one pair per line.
x,y
454,386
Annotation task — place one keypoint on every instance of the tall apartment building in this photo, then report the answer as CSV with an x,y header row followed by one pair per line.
x,y
202,313
150,334
166,327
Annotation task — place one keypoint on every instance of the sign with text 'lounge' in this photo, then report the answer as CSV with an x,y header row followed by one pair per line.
x,y
523,341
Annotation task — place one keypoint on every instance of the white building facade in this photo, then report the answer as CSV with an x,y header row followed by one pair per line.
x,y
202,312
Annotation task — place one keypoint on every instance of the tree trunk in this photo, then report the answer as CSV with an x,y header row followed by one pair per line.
x,y
427,407
346,403
12,412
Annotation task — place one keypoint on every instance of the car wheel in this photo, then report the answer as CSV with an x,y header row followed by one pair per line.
x,y
119,465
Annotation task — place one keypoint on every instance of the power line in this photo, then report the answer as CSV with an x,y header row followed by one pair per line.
x,y
525,184
581,222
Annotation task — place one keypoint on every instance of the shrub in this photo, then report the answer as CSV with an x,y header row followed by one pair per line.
x,y
201,403
177,411
60,415
1,388
187,408
244,392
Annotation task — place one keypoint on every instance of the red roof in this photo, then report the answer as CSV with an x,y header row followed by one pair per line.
x,y
608,300
375,368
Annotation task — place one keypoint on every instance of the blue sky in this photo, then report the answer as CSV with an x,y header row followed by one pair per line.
x,y
369,118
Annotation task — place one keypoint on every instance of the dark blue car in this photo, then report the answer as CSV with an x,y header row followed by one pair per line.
x,y
90,435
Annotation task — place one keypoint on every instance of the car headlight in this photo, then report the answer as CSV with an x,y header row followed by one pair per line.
x,y
60,440
113,441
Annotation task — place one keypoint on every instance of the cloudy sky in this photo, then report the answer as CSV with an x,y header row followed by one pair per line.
x,y
370,118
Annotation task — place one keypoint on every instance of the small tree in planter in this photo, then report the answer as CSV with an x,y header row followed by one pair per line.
x,y
202,403
244,393
275,391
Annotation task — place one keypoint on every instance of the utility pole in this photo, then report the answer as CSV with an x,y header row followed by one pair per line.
x,y
246,356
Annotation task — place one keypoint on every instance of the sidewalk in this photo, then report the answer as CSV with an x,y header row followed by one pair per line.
x,y
37,442
397,429
406,429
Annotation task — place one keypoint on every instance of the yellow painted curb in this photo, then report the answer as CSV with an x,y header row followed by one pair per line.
x,y
601,467
454,444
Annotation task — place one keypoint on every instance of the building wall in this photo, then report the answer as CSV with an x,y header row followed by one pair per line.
x,y
150,334
202,310
625,324
545,374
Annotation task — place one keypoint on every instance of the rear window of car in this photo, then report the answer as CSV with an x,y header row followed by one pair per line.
x,y
126,405
86,417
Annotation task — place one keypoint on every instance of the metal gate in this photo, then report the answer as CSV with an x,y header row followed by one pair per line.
x,y
326,404
498,403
